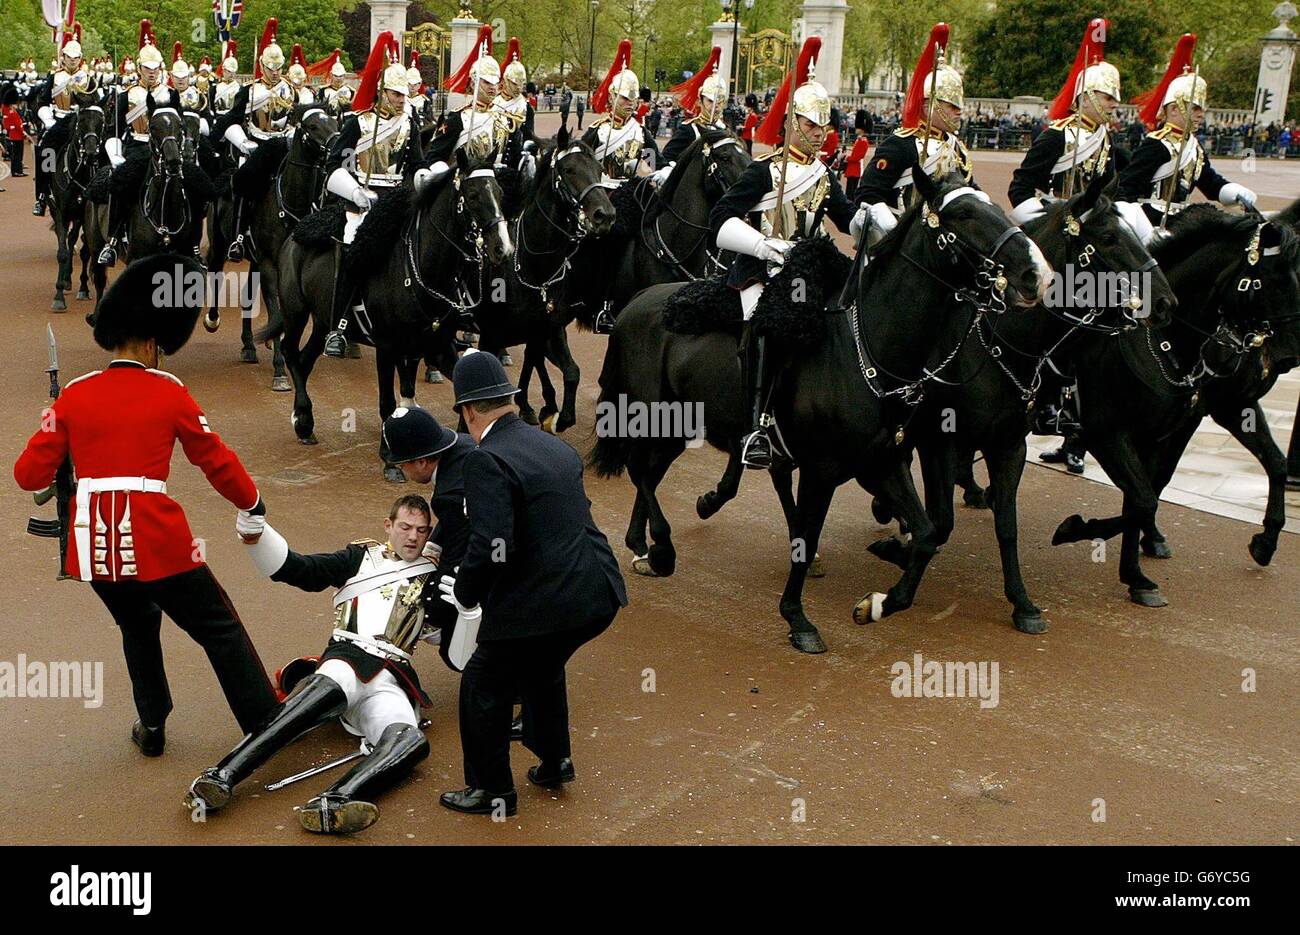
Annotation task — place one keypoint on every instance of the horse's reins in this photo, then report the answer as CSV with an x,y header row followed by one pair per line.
x,y
163,170
411,240
575,238
659,246
316,167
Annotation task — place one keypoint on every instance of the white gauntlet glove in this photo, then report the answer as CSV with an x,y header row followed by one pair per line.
x,y
1234,192
659,176
249,527
739,237
447,585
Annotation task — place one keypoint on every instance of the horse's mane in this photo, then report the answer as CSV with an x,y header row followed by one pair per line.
x,y
708,137
1290,215
1201,225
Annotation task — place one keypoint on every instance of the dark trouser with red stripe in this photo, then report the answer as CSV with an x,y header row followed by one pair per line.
x,y
501,671
199,606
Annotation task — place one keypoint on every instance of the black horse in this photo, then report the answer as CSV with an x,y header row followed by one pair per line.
x,y
410,295
1142,397
163,219
520,305
841,409
987,401
295,188
76,163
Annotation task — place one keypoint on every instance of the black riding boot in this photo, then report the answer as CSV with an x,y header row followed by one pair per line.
x,y
108,256
235,252
1070,453
42,183
319,699
336,342
345,807
756,450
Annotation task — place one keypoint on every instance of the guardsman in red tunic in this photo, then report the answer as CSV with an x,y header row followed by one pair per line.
x,y
128,539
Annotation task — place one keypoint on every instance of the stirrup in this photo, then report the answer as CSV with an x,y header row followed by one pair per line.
x,y
107,256
38,209
756,450
336,345
235,252
604,321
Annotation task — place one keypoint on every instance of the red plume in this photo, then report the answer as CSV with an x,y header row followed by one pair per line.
x,y
915,101
176,50
296,57
512,52
268,36
1092,49
146,34
206,60
459,81
772,128
623,59
1149,101
322,68
688,92
380,55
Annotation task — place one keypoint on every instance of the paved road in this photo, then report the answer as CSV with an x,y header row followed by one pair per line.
x,y
1138,716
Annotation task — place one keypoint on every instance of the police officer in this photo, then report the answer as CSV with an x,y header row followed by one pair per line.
x,y
128,539
537,574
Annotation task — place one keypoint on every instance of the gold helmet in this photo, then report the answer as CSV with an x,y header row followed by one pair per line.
x,y
486,70
394,78
516,74
72,50
414,79
180,69
297,75
945,85
1101,78
150,57
230,65
1186,87
337,70
811,99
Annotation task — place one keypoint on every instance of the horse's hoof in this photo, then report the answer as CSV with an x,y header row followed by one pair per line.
x,y
807,641
59,305
705,505
1156,548
248,355
1029,623
353,351
564,422
815,569
881,510
870,609
1147,597
1262,548
1070,530
548,424
641,565
393,474
90,319
83,295
210,325
433,375
890,549
528,415
976,498
281,384
308,439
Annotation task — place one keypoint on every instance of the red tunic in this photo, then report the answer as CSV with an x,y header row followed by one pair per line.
x,y
830,146
751,123
853,167
123,422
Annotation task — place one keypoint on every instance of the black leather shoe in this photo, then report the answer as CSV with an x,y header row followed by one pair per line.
x,y
335,344
38,209
1055,456
337,814
757,451
551,775
479,801
517,728
150,740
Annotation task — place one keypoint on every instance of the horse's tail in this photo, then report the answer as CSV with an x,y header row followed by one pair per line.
x,y
609,456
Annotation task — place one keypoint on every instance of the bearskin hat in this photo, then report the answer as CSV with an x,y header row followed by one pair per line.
x,y
159,297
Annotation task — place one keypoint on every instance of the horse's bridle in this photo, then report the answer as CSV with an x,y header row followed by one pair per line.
x,y
164,171
473,231
573,239
72,171
316,167
658,246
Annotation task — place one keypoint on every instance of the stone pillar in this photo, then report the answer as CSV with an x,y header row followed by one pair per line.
x,y
825,18
387,15
1275,63
721,31
464,30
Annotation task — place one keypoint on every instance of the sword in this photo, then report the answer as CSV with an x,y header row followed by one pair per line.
x,y
314,771
61,489
1186,105
778,229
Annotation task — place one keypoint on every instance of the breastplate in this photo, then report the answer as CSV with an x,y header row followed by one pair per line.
x,y
382,161
224,99
391,612
269,109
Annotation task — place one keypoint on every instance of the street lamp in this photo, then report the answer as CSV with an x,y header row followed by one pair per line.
x,y
649,72
591,52
733,7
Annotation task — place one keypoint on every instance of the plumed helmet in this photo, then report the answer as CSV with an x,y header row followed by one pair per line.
x,y
485,69
945,85
1187,86
714,88
272,56
394,78
231,64
150,57
297,75
516,73
1101,78
152,298
625,84
813,101
72,49
180,68
413,76
337,69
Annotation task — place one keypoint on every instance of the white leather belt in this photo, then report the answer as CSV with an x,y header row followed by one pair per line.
x,y
91,485
1159,205
370,646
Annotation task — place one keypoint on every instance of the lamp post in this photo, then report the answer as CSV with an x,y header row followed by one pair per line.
x,y
733,7
591,50
649,71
